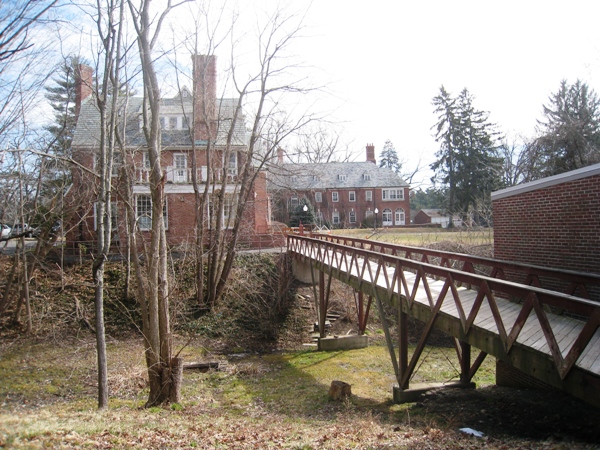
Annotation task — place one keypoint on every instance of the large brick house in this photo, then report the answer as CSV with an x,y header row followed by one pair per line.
x,y
182,138
552,222
343,195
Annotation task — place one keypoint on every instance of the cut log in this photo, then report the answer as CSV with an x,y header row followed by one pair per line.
x,y
203,366
339,390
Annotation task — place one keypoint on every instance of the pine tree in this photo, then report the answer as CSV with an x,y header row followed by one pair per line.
x,y
389,157
298,215
467,165
446,133
570,131
61,96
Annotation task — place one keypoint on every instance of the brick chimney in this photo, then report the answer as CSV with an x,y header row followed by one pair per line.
x,y
371,153
84,78
205,100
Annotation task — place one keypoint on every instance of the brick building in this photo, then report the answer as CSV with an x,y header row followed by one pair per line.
x,y
553,222
343,195
436,217
183,138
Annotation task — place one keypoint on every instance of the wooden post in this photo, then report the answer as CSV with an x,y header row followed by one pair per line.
x,y
402,345
322,305
465,362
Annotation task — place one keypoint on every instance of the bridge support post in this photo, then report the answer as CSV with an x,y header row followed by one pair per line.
x,y
465,363
402,347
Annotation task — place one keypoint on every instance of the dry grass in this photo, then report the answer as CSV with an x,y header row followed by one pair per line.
x,y
257,401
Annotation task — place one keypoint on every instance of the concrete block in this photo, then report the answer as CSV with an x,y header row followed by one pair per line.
x,y
351,342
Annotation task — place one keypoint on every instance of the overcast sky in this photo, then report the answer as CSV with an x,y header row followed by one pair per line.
x,y
384,61
388,59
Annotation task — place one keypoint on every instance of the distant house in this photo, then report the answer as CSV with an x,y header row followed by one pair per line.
x,y
435,216
184,139
343,195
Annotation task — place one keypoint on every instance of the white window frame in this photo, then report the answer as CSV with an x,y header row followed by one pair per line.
x,y
342,177
369,196
318,197
387,217
352,217
335,196
391,195
294,201
180,173
400,216
352,196
114,215
149,214
335,218
146,214
368,213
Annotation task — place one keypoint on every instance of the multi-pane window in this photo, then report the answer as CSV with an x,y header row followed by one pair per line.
x,y
318,197
392,194
369,196
400,217
368,214
335,218
228,216
143,212
173,123
335,196
180,168
367,176
294,202
386,217
352,196
146,160
113,216
342,177
352,217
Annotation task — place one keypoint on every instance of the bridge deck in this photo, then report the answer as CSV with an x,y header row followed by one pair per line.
x,y
531,337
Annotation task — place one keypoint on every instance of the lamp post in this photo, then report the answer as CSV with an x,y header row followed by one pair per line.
x,y
375,225
300,226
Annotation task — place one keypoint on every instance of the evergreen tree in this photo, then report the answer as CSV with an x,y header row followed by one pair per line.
x,y
61,96
298,215
446,133
389,157
570,131
468,166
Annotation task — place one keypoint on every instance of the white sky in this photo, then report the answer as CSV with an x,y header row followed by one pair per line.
x,y
385,60
388,59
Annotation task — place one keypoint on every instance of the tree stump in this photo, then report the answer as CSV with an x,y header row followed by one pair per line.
x,y
339,390
176,380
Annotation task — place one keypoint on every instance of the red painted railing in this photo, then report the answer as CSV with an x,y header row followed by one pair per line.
x,y
381,264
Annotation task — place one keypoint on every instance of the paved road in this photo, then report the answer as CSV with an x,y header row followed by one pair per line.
x,y
8,247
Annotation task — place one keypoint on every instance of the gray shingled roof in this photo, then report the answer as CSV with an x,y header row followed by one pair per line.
x,y
334,176
87,132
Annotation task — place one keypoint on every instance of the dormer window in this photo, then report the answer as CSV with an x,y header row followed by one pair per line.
x,y
342,177
367,177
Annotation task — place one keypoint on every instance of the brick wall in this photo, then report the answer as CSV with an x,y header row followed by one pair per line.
x,y
553,223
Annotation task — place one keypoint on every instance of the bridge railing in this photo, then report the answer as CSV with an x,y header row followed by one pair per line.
x,y
567,281
371,266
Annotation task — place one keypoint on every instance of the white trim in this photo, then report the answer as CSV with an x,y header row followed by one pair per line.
x,y
573,175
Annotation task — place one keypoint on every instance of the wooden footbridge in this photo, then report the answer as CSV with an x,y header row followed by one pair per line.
x,y
527,323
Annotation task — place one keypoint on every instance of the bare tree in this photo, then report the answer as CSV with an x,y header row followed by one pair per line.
x,y
269,126
321,143
153,290
109,20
